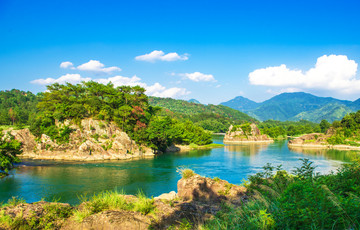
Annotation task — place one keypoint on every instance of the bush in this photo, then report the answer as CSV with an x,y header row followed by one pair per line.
x,y
279,200
185,173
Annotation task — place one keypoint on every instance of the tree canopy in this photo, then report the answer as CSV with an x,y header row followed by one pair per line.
x,y
127,106
9,149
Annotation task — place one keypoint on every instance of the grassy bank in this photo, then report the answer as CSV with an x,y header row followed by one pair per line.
x,y
209,146
53,215
275,199
301,200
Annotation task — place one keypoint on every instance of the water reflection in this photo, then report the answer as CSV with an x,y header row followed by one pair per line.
x,y
48,179
245,149
332,154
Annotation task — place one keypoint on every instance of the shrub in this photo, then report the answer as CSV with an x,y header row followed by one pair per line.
x,y
186,173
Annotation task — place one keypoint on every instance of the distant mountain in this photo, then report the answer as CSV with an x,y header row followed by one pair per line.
x,y
329,112
216,118
188,108
241,103
297,106
194,101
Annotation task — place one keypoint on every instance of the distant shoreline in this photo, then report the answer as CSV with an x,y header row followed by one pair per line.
x,y
319,146
245,142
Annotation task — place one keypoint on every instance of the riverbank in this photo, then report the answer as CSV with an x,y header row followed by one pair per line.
x,y
324,146
192,204
271,199
247,141
319,141
75,156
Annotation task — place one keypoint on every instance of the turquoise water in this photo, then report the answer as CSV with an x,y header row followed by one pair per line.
x,y
65,181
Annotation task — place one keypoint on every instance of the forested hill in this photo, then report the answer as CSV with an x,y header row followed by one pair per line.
x,y
295,106
17,107
216,118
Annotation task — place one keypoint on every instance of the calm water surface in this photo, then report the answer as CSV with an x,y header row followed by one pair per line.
x,y
65,181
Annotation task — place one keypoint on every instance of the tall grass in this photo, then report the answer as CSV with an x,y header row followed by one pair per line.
x,y
185,172
113,200
279,200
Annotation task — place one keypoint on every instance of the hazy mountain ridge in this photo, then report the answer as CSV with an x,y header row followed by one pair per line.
x,y
296,106
194,101
216,118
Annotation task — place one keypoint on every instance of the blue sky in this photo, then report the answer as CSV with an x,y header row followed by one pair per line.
x,y
218,49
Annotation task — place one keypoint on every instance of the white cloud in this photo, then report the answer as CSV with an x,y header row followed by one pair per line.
x,y
159,55
197,76
97,67
70,78
67,65
285,90
333,72
152,90
120,80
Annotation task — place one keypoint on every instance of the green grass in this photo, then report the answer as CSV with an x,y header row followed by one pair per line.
x,y
186,173
13,201
15,127
213,145
279,200
51,218
113,200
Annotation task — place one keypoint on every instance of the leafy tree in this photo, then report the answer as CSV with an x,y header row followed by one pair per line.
x,y
17,107
9,149
324,126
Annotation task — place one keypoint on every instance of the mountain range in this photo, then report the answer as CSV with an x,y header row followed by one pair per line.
x,y
295,106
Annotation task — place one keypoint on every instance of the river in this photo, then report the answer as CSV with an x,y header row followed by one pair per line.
x,y
66,181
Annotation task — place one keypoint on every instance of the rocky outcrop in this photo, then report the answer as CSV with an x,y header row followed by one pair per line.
x,y
198,188
310,139
236,134
90,140
317,140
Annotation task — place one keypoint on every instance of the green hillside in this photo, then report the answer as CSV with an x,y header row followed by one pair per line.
x,y
295,106
329,112
216,118
17,107
241,103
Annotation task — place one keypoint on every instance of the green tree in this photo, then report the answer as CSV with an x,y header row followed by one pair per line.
x,y
324,126
9,149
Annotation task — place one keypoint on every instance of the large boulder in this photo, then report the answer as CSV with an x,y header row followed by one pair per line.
x,y
90,140
236,134
198,188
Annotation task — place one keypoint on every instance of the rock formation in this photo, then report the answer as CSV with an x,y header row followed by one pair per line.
x,y
91,140
237,134
310,139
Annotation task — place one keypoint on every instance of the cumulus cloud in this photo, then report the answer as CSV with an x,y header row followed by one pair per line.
x,y
97,67
93,66
285,90
70,78
333,72
159,55
67,65
152,90
197,76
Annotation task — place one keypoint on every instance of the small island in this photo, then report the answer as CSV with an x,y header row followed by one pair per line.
x,y
246,133
91,121
342,135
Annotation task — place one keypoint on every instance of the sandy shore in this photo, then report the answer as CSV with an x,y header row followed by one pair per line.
x,y
248,142
318,146
74,157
